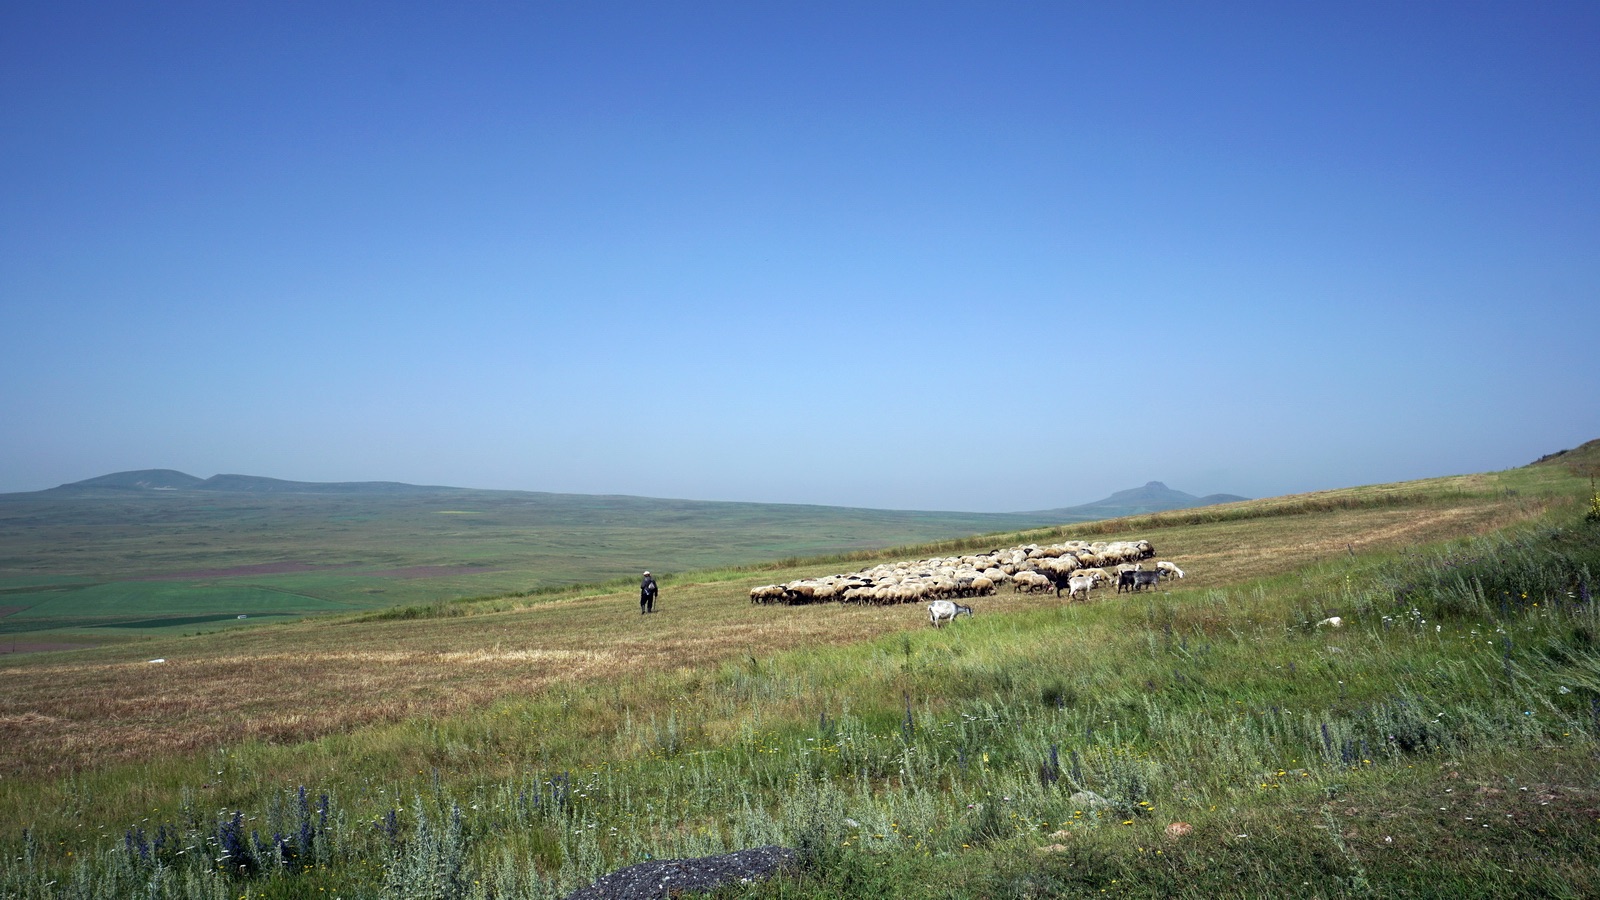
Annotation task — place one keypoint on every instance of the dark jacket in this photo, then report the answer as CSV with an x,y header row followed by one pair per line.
x,y
647,587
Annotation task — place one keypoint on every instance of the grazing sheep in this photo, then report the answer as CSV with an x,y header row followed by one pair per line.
x,y
941,611
857,594
1169,568
1030,581
1030,567
767,593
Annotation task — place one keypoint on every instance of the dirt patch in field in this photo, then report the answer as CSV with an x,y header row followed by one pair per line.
x,y
277,568
294,568
10,610
431,571
1234,551
10,647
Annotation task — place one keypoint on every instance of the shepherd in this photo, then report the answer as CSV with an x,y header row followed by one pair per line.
x,y
647,594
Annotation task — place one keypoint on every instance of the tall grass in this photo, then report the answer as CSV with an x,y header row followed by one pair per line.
x,y
938,762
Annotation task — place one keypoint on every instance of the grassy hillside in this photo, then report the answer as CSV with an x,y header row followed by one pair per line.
x,y
108,560
1441,742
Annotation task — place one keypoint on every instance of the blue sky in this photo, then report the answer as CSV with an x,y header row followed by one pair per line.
x,y
980,256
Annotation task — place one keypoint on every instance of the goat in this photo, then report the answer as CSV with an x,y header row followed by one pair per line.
x,y
1097,574
1125,580
941,611
1146,579
1079,584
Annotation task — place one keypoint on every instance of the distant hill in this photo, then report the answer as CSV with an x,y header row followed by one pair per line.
x,y
1153,497
141,480
170,480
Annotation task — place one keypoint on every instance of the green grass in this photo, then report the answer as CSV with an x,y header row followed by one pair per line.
x,y
83,558
1443,742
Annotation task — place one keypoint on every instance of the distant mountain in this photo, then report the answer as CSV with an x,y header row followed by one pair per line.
x,y
1153,497
170,480
142,480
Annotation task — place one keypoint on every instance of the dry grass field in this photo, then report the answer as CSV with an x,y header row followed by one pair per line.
x,y
516,747
64,713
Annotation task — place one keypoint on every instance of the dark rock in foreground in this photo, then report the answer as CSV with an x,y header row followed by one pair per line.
x,y
663,878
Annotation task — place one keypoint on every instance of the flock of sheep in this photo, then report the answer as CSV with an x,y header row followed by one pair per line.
x,y
1075,566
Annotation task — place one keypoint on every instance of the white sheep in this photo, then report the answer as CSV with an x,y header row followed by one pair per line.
x,y
1030,581
1169,568
941,611
767,593
963,576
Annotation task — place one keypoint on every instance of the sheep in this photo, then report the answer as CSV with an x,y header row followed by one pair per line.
x,y
1061,579
1169,568
800,592
1030,567
1030,581
1061,565
941,611
767,593
857,593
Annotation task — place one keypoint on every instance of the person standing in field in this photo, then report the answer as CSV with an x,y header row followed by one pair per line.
x,y
647,594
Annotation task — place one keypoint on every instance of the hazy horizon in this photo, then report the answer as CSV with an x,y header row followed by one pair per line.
x,y
1108,494
949,256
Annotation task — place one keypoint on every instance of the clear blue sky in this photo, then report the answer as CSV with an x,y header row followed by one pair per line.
x,y
980,256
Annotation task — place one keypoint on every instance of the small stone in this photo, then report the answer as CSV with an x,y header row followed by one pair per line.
x,y
1088,800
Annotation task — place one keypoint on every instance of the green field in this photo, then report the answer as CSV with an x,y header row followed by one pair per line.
x,y
1216,738
75,562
